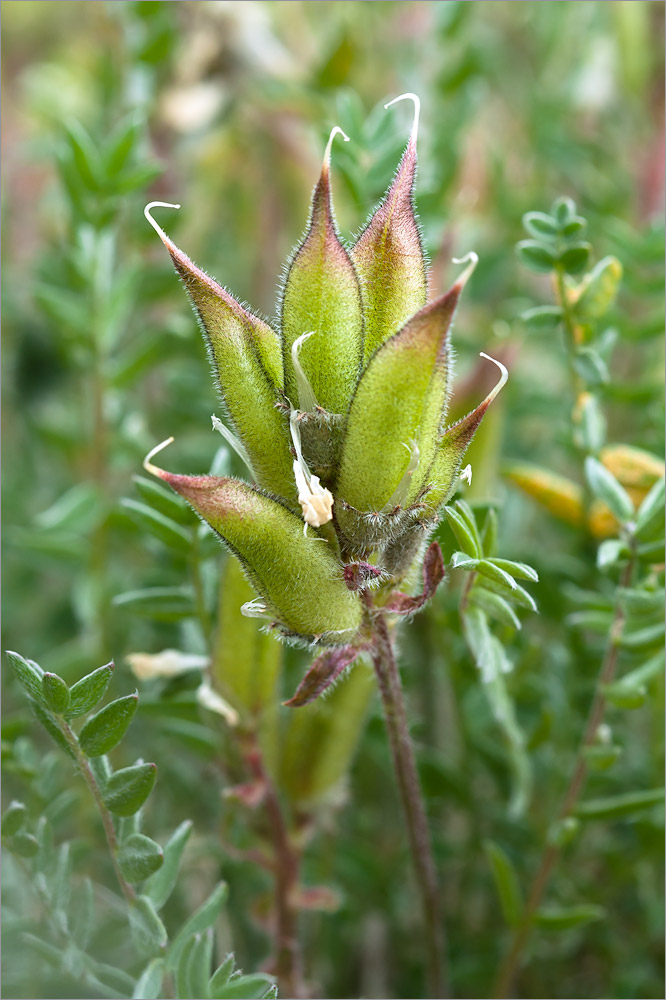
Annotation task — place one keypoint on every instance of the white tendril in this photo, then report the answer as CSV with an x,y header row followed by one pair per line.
x,y
158,229
471,259
504,377
336,130
148,465
417,112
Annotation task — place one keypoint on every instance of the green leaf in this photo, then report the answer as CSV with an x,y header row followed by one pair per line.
x,y
638,602
464,536
495,606
601,757
536,256
200,921
591,366
56,693
574,259
149,984
297,576
160,885
61,883
618,806
84,154
149,933
605,487
29,675
107,727
629,691
24,844
122,145
563,831
460,560
127,789
322,296
182,969
84,695
158,524
220,977
160,603
389,259
492,571
574,226
643,638
139,857
650,514
13,818
199,963
598,289
563,918
83,914
542,317
517,569
506,882
592,423
251,987
539,224
467,514
611,551
563,210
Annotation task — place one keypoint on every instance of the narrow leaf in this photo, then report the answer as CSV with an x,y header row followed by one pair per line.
x,y
84,695
107,727
160,885
464,536
617,806
506,882
29,675
157,523
562,918
605,487
126,790
56,693
139,857
200,921
149,933
149,983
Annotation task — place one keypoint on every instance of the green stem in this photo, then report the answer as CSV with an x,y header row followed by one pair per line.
x,y
511,966
107,821
404,763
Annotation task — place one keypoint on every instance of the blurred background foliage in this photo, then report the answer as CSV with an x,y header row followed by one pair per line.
x,y
225,107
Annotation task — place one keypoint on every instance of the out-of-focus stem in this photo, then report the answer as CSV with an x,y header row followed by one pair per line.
x,y
513,961
288,961
390,687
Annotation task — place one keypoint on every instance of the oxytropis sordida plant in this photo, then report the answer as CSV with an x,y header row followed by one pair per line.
x,y
339,412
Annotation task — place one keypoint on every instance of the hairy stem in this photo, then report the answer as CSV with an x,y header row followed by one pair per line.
x,y
107,821
288,961
390,687
511,966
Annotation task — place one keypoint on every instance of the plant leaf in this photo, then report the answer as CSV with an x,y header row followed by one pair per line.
x,y
160,885
84,695
139,857
323,672
127,789
107,727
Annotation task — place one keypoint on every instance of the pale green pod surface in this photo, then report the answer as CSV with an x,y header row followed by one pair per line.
x,y
246,356
246,662
322,297
322,737
388,407
389,259
297,576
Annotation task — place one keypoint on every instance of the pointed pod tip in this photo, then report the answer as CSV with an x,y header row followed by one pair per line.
x,y
336,130
417,112
158,229
147,463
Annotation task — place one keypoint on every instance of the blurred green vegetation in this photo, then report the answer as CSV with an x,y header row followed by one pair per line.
x,y
225,107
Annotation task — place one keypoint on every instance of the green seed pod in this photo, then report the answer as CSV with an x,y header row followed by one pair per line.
x,y
296,575
246,662
444,471
388,254
388,407
322,320
247,361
